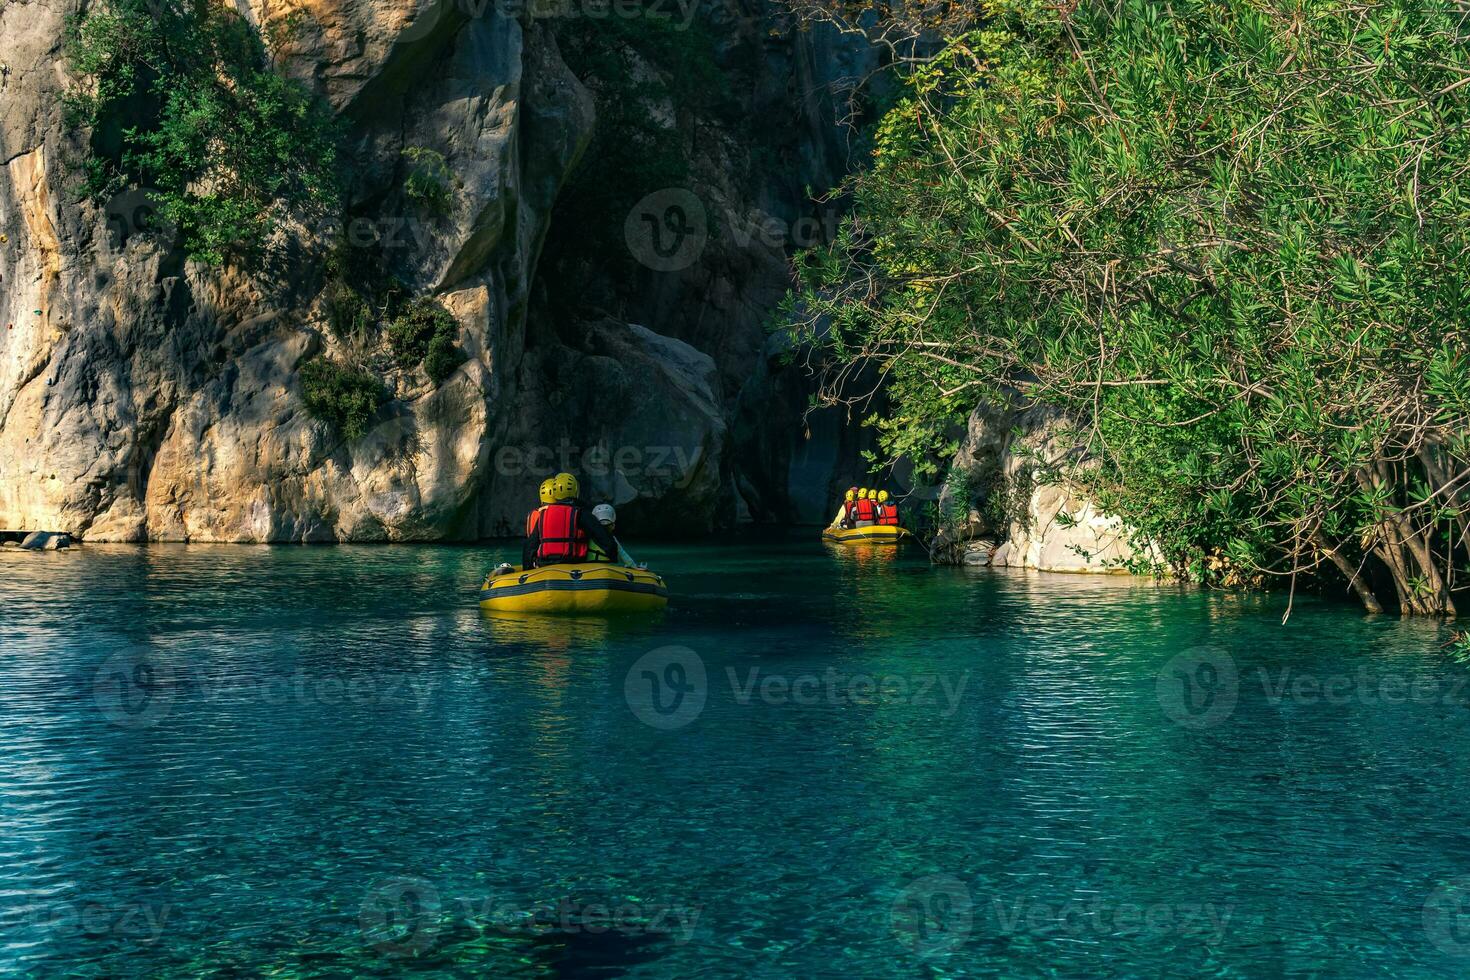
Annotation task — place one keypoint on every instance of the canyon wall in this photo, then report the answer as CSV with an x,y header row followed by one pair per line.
x,y
147,396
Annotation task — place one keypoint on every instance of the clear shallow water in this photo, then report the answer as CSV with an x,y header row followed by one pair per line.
x,y
327,762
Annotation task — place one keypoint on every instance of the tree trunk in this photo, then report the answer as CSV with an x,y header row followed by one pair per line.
x,y
1353,575
1420,587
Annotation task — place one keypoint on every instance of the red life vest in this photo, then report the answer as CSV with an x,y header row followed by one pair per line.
x,y
866,511
888,514
562,537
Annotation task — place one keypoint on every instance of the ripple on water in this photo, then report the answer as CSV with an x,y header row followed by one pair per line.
x,y
327,761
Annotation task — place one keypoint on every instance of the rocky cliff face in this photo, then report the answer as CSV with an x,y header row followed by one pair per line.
x,y
145,396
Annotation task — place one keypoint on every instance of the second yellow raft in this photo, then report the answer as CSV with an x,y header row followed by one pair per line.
x,y
880,533
590,588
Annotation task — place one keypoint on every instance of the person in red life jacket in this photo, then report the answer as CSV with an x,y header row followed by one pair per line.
x,y
866,509
558,532
844,516
887,512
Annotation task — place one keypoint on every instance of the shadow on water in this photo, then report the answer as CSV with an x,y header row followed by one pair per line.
x,y
581,953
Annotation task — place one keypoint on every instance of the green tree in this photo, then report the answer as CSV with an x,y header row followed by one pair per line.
x,y
1231,238
179,97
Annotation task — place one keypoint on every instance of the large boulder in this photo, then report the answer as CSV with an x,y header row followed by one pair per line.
x,y
46,541
636,415
1009,502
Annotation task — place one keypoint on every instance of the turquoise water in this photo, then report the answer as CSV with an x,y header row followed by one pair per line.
x,y
327,762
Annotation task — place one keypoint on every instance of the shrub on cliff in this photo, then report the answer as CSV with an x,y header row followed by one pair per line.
x,y
343,397
425,332
430,182
1234,236
179,97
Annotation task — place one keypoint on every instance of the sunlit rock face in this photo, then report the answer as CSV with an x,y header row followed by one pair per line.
x,y
1019,514
144,396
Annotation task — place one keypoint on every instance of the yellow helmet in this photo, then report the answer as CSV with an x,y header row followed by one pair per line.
x,y
564,486
872,494
882,496
863,494
851,495
546,496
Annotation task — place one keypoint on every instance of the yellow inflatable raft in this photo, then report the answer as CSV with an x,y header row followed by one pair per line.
x,y
590,588
880,533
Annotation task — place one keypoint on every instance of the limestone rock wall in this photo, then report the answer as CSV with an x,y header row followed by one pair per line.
x,y
1010,504
146,397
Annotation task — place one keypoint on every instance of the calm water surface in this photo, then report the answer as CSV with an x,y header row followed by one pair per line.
x,y
327,762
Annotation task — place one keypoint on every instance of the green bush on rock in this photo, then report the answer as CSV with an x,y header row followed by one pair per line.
x,y
348,313
425,332
179,97
343,397
442,358
429,181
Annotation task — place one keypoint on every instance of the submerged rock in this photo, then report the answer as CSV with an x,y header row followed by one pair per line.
x,y
45,541
980,551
